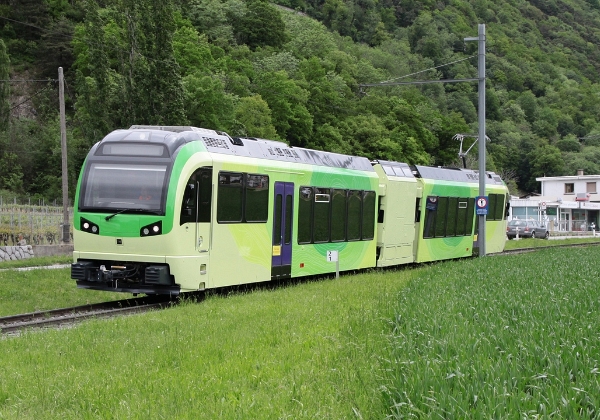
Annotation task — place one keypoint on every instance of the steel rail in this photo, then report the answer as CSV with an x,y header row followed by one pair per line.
x,y
60,317
538,248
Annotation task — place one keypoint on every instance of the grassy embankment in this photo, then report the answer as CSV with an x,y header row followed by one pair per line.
x,y
495,337
541,243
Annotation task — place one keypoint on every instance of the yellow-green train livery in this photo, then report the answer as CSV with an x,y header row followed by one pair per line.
x,y
166,210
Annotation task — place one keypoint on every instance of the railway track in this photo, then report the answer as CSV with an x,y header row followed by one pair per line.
x,y
12,325
68,316
525,250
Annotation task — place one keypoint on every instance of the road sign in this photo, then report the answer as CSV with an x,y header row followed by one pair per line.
x,y
481,203
332,256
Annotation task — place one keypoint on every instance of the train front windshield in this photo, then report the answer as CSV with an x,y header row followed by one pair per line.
x,y
118,186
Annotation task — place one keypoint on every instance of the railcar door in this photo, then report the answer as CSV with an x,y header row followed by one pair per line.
x,y
283,208
196,207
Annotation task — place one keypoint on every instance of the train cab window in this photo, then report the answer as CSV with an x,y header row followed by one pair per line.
x,y
197,196
368,215
305,215
230,197
321,215
354,215
338,216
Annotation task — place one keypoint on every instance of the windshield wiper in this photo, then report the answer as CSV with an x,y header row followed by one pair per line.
x,y
110,216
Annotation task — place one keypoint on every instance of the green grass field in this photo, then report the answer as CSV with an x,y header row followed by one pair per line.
x,y
495,337
500,337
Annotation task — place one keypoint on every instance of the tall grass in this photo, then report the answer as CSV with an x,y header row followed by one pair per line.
x,y
311,350
43,289
494,337
499,337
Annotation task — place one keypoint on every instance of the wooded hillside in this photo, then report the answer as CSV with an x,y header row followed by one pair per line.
x,y
251,68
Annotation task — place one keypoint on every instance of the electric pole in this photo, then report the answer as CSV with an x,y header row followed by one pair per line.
x,y
66,237
481,114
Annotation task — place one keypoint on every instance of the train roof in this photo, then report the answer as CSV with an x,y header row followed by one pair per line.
x,y
455,174
220,142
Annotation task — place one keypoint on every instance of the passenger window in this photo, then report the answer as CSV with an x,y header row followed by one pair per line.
x,y
242,198
452,216
338,216
321,215
354,213
305,215
441,218
368,227
231,191
461,217
256,207
499,210
431,207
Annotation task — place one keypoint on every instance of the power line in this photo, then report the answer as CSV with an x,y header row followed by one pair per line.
x,y
28,80
22,23
391,83
28,98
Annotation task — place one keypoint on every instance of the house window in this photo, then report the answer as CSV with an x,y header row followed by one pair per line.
x,y
569,188
590,187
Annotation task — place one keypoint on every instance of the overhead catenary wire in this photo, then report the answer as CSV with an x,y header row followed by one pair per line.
x,y
391,82
28,80
28,98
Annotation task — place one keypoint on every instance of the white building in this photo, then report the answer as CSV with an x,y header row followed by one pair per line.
x,y
566,203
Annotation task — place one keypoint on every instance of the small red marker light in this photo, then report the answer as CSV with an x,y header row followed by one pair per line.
x,y
301,265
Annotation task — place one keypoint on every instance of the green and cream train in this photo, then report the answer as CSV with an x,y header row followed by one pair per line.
x,y
165,210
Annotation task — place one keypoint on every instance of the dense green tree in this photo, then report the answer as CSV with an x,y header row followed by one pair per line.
x,y
253,119
210,17
329,138
192,51
4,87
207,104
260,26
287,102
93,77
55,49
568,144
545,161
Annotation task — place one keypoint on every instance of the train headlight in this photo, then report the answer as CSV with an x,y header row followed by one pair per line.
x,y
89,227
151,229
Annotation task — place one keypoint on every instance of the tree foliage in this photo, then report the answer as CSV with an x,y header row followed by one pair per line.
x,y
252,68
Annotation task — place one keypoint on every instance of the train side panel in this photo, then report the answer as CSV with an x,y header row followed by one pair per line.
x,y
396,218
433,240
495,226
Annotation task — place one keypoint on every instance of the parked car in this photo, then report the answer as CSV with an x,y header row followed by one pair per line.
x,y
526,229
